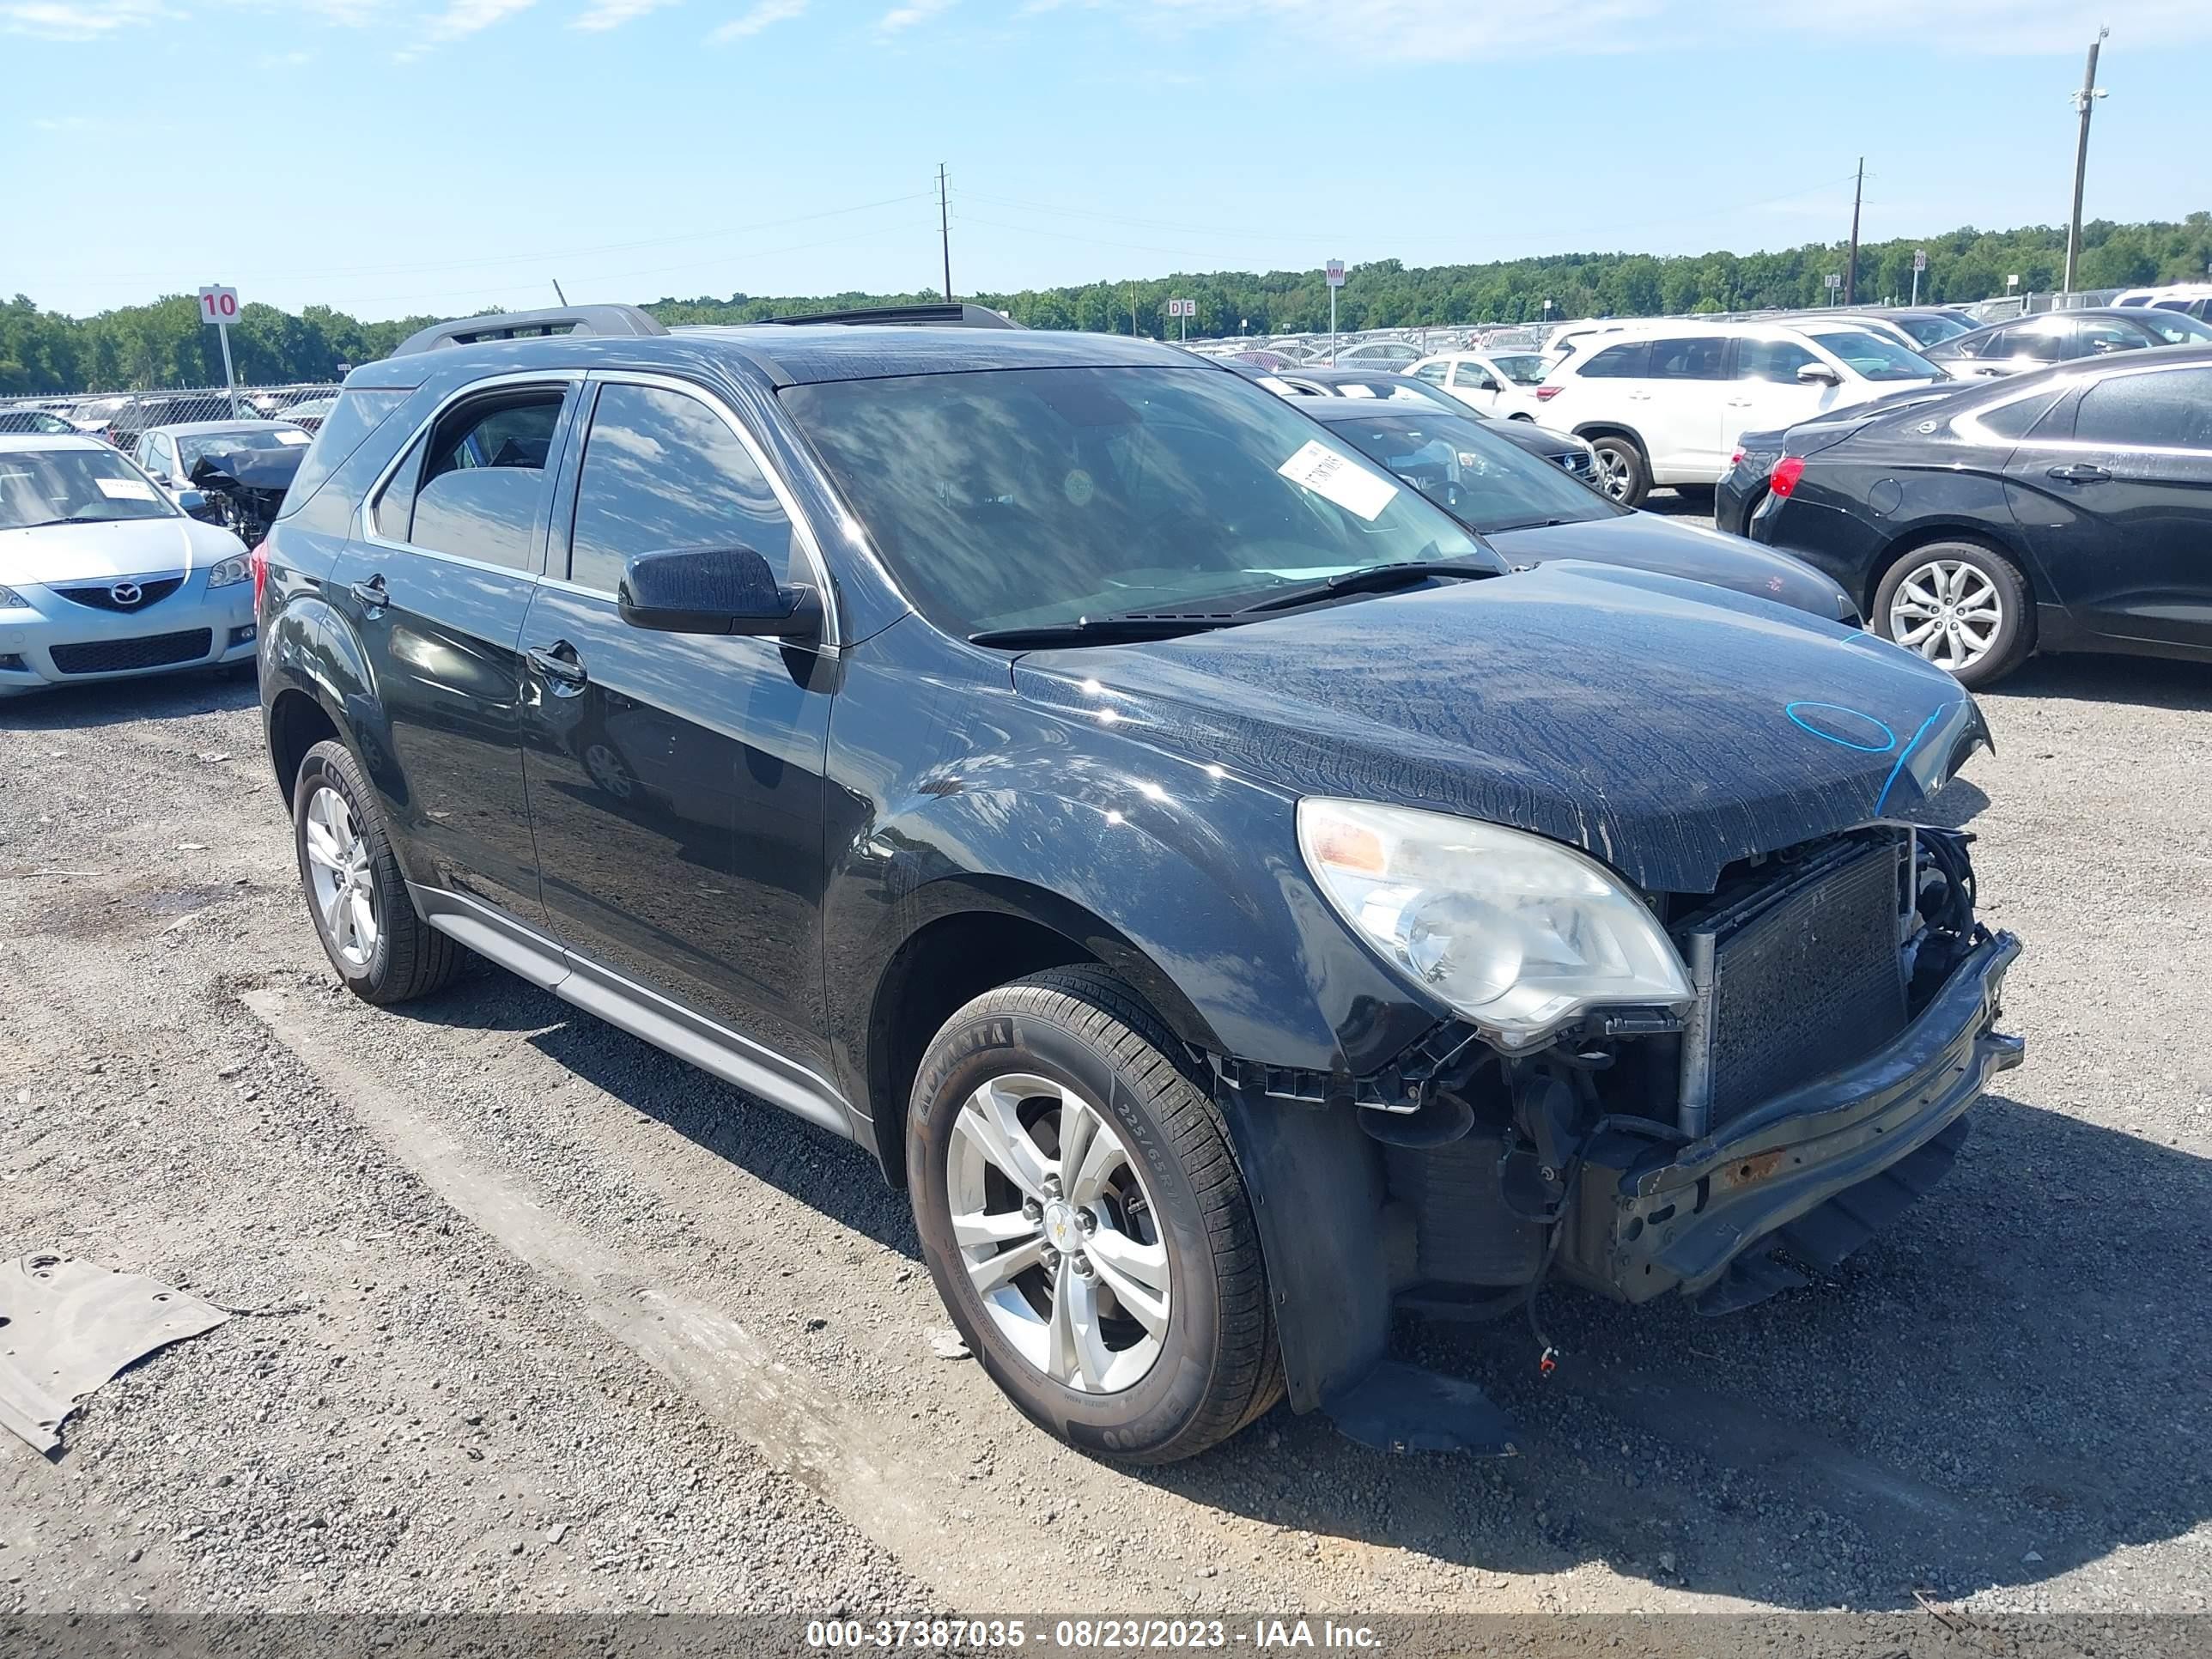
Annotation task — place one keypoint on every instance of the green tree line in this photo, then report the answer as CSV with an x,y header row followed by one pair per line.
x,y
164,344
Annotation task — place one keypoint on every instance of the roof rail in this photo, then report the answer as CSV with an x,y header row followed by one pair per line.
x,y
619,320
949,314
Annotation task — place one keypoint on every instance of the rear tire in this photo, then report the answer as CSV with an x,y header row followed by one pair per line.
x,y
1151,1370
1623,474
356,897
1963,606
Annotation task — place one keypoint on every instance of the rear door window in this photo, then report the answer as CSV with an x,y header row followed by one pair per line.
x,y
1693,357
1474,376
2166,408
475,486
1625,361
662,469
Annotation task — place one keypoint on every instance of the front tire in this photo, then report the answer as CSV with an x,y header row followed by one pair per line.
x,y
356,894
1622,475
1963,606
1085,1223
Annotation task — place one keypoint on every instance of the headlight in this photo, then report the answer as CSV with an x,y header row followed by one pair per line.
x,y
10,601
228,572
1518,933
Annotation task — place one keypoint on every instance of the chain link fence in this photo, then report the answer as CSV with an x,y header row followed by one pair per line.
x,y
122,417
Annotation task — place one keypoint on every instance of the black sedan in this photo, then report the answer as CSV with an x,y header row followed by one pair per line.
x,y
2027,343
1570,454
1742,484
2066,510
1530,514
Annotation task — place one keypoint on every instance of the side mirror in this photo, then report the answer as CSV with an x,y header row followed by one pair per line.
x,y
192,502
1818,374
716,590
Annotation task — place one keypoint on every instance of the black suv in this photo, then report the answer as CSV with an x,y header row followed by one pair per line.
x,y
1232,903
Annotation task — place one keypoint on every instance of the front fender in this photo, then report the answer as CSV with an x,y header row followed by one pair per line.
x,y
1185,877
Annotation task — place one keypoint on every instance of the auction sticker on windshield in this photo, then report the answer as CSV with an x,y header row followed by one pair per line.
x,y
1338,478
295,438
125,490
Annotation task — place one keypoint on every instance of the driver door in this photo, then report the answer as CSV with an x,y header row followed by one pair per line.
x,y
675,780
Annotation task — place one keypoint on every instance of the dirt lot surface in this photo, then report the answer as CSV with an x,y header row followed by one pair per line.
x,y
533,1317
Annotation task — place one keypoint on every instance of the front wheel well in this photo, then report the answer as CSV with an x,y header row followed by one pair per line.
x,y
1591,431
296,724
1927,536
943,968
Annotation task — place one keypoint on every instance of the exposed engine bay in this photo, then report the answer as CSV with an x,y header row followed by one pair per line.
x,y
1842,1021
245,488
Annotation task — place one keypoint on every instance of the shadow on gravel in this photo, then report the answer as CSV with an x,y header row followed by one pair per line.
x,y
828,1174
2147,682
118,703
2006,1385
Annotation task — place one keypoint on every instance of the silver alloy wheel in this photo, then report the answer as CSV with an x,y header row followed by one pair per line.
x,y
1058,1233
1948,610
344,889
1613,469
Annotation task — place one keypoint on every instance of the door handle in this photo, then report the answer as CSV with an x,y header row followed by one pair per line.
x,y
373,593
2079,472
559,663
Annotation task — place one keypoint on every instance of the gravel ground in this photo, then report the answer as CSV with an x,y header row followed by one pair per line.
x,y
533,1317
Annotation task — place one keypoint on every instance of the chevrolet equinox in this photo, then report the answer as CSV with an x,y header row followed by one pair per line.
x,y
1233,903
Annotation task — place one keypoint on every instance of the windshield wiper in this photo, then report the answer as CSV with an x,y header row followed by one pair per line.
x,y
76,518
1374,579
1121,628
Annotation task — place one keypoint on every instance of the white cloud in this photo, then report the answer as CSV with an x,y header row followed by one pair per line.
x,y
613,13
465,17
765,14
76,20
899,19
1414,30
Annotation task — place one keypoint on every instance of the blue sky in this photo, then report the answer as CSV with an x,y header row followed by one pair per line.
x,y
394,156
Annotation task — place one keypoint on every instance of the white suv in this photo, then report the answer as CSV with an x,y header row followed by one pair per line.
x,y
1664,403
1498,383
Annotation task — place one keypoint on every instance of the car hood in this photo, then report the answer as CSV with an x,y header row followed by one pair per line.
x,y
1645,541
123,547
1667,728
1534,439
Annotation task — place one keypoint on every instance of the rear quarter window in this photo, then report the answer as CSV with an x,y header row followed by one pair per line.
x,y
1627,361
350,422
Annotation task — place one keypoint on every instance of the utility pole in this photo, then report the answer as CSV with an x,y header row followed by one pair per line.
x,y
944,232
1852,268
2084,100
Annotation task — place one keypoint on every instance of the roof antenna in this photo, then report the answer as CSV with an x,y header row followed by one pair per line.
x,y
557,295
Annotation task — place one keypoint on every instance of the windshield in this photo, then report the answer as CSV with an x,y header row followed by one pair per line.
x,y
1934,330
1026,498
2174,327
199,447
1873,358
1522,369
73,486
1480,478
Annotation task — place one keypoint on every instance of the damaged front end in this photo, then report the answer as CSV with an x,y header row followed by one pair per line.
x,y
1842,1020
244,490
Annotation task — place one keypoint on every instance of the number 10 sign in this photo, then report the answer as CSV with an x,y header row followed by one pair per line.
x,y
219,306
